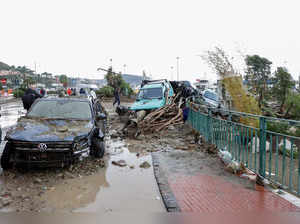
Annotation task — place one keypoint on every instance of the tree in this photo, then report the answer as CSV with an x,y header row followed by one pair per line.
x,y
219,61
113,79
258,72
64,80
283,85
293,106
4,66
28,81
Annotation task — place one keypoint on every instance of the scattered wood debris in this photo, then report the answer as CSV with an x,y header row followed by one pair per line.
x,y
160,119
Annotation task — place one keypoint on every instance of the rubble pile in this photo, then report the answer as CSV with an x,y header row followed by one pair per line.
x,y
162,118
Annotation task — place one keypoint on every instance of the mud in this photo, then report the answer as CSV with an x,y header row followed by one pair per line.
x,y
30,129
91,185
95,185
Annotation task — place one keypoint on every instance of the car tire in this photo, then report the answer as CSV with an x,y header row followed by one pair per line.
x,y
98,148
5,157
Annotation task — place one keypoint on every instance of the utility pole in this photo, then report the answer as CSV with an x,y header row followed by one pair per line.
x,y
124,66
177,68
172,78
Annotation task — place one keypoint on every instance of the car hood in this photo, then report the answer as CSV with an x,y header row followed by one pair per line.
x,y
32,129
147,104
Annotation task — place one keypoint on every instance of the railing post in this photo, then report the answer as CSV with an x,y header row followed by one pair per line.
x,y
262,145
208,127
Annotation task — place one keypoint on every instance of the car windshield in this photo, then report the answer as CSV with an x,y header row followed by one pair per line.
x,y
211,96
61,109
187,83
150,93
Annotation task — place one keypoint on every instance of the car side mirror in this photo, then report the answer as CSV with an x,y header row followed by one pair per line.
x,y
101,116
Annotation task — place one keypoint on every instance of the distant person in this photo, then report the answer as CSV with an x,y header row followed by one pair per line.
x,y
82,91
29,97
117,96
74,92
42,92
69,91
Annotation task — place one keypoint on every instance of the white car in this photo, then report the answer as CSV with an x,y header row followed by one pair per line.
x,y
211,98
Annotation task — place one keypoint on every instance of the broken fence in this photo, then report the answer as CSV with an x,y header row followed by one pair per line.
x,y
272,155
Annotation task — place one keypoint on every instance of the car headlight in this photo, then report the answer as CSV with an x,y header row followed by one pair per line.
x,y
80,144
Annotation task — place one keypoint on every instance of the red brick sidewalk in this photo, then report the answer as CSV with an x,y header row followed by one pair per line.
x,y
204,193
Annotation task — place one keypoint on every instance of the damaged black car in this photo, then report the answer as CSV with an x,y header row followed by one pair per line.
x,y
56,132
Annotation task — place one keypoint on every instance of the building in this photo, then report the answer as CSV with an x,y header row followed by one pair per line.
x,y
201,84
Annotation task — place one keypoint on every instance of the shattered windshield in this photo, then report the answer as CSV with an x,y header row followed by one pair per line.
x,y
61,110
150,93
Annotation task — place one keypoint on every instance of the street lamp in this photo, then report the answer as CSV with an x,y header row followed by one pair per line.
x,y
124,66
177,68
172,78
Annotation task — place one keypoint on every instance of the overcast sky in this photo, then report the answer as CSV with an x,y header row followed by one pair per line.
x,y
75,37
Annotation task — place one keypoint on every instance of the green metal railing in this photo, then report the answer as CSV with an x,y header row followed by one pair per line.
x,y
272,155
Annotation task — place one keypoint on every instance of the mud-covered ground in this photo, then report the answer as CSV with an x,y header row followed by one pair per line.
x,y
95,185
90,185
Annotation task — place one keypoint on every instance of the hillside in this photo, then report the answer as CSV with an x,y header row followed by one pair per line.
x,y
4,66
132,79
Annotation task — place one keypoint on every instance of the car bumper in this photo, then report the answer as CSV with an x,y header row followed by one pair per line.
x,y
47,159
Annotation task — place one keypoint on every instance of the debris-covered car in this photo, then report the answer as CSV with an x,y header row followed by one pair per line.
x,y
56,132
184,89
152,95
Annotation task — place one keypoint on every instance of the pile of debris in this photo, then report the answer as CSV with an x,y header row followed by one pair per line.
x,y
162,118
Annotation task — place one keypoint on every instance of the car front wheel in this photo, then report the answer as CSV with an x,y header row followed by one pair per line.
x,y
5,157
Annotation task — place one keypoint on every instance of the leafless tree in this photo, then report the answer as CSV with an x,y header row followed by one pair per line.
x,y
219,61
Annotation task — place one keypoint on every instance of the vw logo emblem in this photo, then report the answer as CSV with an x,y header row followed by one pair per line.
x,y
42,147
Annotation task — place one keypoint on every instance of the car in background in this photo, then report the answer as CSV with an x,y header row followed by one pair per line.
x,y
56,132
211,98
153,94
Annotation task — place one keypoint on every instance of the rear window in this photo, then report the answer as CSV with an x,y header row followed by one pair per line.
x,y
61,110
211,95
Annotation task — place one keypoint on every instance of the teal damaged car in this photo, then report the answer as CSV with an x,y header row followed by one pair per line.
x,y
152,95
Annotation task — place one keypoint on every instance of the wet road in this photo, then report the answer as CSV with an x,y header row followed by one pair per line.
x,y
111,189
10,112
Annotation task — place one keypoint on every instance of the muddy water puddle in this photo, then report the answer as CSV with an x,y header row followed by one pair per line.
x,y
112,189
10,114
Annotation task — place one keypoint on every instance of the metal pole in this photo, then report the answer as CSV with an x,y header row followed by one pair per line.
x,y
177,68
172,78
124,68
262,146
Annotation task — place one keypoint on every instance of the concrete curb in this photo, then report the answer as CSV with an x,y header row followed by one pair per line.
x,y
163,185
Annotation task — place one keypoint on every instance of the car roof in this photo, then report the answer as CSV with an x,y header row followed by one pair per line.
x,y
70,98
211,91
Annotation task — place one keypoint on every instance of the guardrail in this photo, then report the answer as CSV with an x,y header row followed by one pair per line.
x,y
272,155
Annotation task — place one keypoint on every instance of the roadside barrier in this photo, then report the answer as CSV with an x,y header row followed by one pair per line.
x,y
274,156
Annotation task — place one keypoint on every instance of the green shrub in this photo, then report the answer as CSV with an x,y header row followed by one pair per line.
x,y
106,91
297,133
278,127
293,103
288,151
18,93
52,92
126,89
